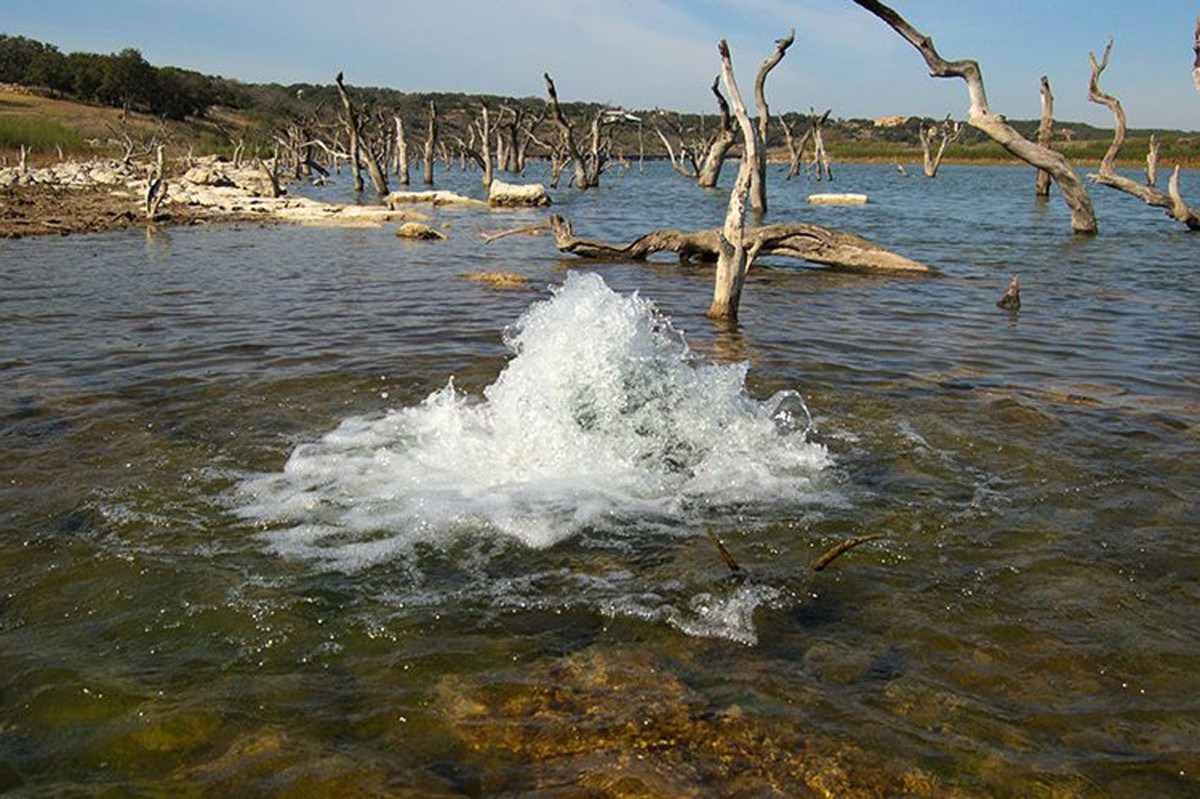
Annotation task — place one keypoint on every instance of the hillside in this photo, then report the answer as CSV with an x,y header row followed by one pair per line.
x,y
86,103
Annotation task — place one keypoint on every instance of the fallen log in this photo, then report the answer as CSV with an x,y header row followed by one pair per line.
x,y
812,243
837,199
434,198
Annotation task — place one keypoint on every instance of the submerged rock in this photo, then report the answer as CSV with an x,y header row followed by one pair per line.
x,y
417,230
621,723
498,280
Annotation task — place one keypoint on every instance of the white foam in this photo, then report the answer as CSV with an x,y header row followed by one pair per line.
x,y
602,420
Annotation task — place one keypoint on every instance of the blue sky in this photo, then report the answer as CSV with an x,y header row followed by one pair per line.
x,y
662,52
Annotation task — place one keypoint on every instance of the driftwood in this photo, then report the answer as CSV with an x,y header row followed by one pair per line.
x,y
812,243
1045,137
1083,215
1172,201
838,199
758,178
434,198
836,551
527,230
950,131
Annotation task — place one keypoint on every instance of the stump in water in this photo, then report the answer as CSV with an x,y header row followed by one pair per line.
x,y
1011,301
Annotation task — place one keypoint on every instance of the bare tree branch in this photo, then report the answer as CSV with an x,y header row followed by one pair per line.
x,y
1083,215
1172,202
758,178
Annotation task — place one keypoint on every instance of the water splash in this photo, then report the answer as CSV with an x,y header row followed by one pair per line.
x,y
603,420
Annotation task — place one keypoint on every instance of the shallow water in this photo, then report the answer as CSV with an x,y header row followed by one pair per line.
x,y
250,540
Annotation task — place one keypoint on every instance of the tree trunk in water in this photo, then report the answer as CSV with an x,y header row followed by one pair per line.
x,y
1152,161
1083,215
758,177
350,122
950,132
567,134
1045,136
430,141
733,258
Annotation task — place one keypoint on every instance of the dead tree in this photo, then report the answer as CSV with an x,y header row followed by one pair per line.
x,y
950,131
350,123
156,186
684,163
401,152
796,148
1083,216
1045,137
508,138
591,164
431,132
478,147
1173,202
820,162
1196,49
758,179
735,255
1152,161
720,143
524,138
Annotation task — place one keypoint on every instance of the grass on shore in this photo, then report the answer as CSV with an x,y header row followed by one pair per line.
x,y
39,135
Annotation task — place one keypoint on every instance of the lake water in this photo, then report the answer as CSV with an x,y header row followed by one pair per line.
x,y
253,541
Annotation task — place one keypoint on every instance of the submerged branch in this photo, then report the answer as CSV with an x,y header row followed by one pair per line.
x,y
835,552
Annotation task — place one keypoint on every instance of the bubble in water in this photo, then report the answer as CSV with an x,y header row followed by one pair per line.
x,y
603,419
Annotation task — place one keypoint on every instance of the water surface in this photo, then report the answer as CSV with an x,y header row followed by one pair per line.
x,y
251,540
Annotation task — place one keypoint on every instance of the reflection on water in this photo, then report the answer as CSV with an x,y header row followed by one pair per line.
x,y
1028,627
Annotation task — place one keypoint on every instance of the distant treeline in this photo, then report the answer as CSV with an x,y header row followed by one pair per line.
x,y
127,80
121,80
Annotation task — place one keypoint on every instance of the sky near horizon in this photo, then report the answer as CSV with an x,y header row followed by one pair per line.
x,y
648,53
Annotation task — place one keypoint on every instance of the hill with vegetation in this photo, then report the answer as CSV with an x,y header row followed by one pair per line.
x,y
81,102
